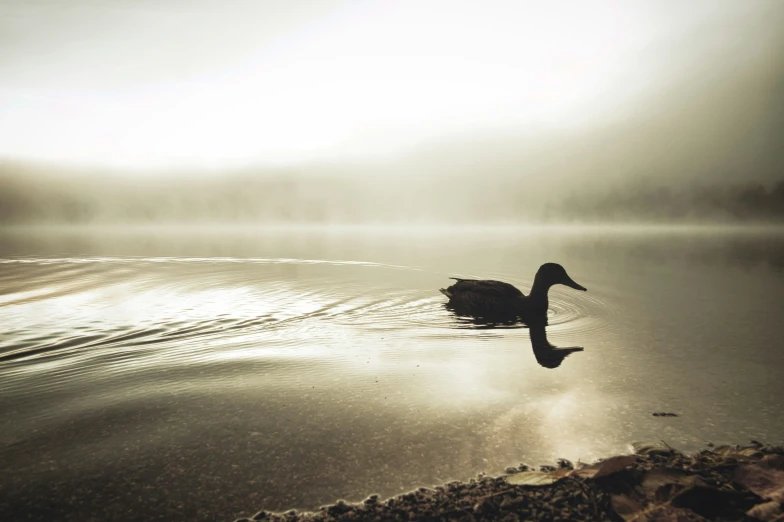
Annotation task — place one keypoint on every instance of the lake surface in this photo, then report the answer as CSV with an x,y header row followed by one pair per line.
x,y
150,374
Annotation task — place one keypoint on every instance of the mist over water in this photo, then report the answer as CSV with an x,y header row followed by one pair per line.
x,y
37,198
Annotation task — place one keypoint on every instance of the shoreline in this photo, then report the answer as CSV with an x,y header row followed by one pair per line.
x,y
655,483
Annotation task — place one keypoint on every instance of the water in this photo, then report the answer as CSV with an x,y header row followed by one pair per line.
x,y
204,374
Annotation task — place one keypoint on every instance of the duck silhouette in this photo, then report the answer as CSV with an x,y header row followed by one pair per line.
x,y
490,303
496,301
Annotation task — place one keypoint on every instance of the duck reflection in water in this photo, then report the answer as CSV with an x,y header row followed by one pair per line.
x,y
491,303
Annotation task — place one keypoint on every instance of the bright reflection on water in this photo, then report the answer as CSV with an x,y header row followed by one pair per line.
x,y
193,374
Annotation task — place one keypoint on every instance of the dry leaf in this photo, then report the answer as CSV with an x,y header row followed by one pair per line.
x,y
614,465
667,513
586,472
626,507
651,448
736,452
534,478
657,477
766,512
657,486
765,482
713,502
773,462
605,467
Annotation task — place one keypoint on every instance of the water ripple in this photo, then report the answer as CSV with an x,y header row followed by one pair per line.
x,y
100,316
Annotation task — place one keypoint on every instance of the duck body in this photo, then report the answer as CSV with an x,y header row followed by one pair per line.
x,y
497,301
493,300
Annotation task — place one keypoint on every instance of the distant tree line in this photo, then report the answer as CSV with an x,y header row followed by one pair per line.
x,y
34,197
729,202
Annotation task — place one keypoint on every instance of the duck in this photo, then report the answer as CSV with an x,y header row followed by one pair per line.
x,y
497,301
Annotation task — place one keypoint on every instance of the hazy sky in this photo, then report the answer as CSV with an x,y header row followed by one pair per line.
x,y
149,83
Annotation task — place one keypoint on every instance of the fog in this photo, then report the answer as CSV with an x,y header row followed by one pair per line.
x,y
36,197
667,112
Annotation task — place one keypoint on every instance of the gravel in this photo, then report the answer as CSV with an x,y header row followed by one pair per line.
x,y
657,484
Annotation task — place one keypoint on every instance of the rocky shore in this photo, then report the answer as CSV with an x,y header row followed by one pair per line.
x,y
655,483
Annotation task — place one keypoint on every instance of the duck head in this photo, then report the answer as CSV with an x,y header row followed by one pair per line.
x,y
550,274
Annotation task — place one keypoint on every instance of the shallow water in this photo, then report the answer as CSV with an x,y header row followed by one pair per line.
x,y
172,374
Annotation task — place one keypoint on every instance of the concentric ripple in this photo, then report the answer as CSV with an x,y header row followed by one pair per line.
x,y
72,323
578,313
58,307
79,307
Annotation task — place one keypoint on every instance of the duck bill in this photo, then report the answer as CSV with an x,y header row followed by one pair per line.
x,y
571,284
